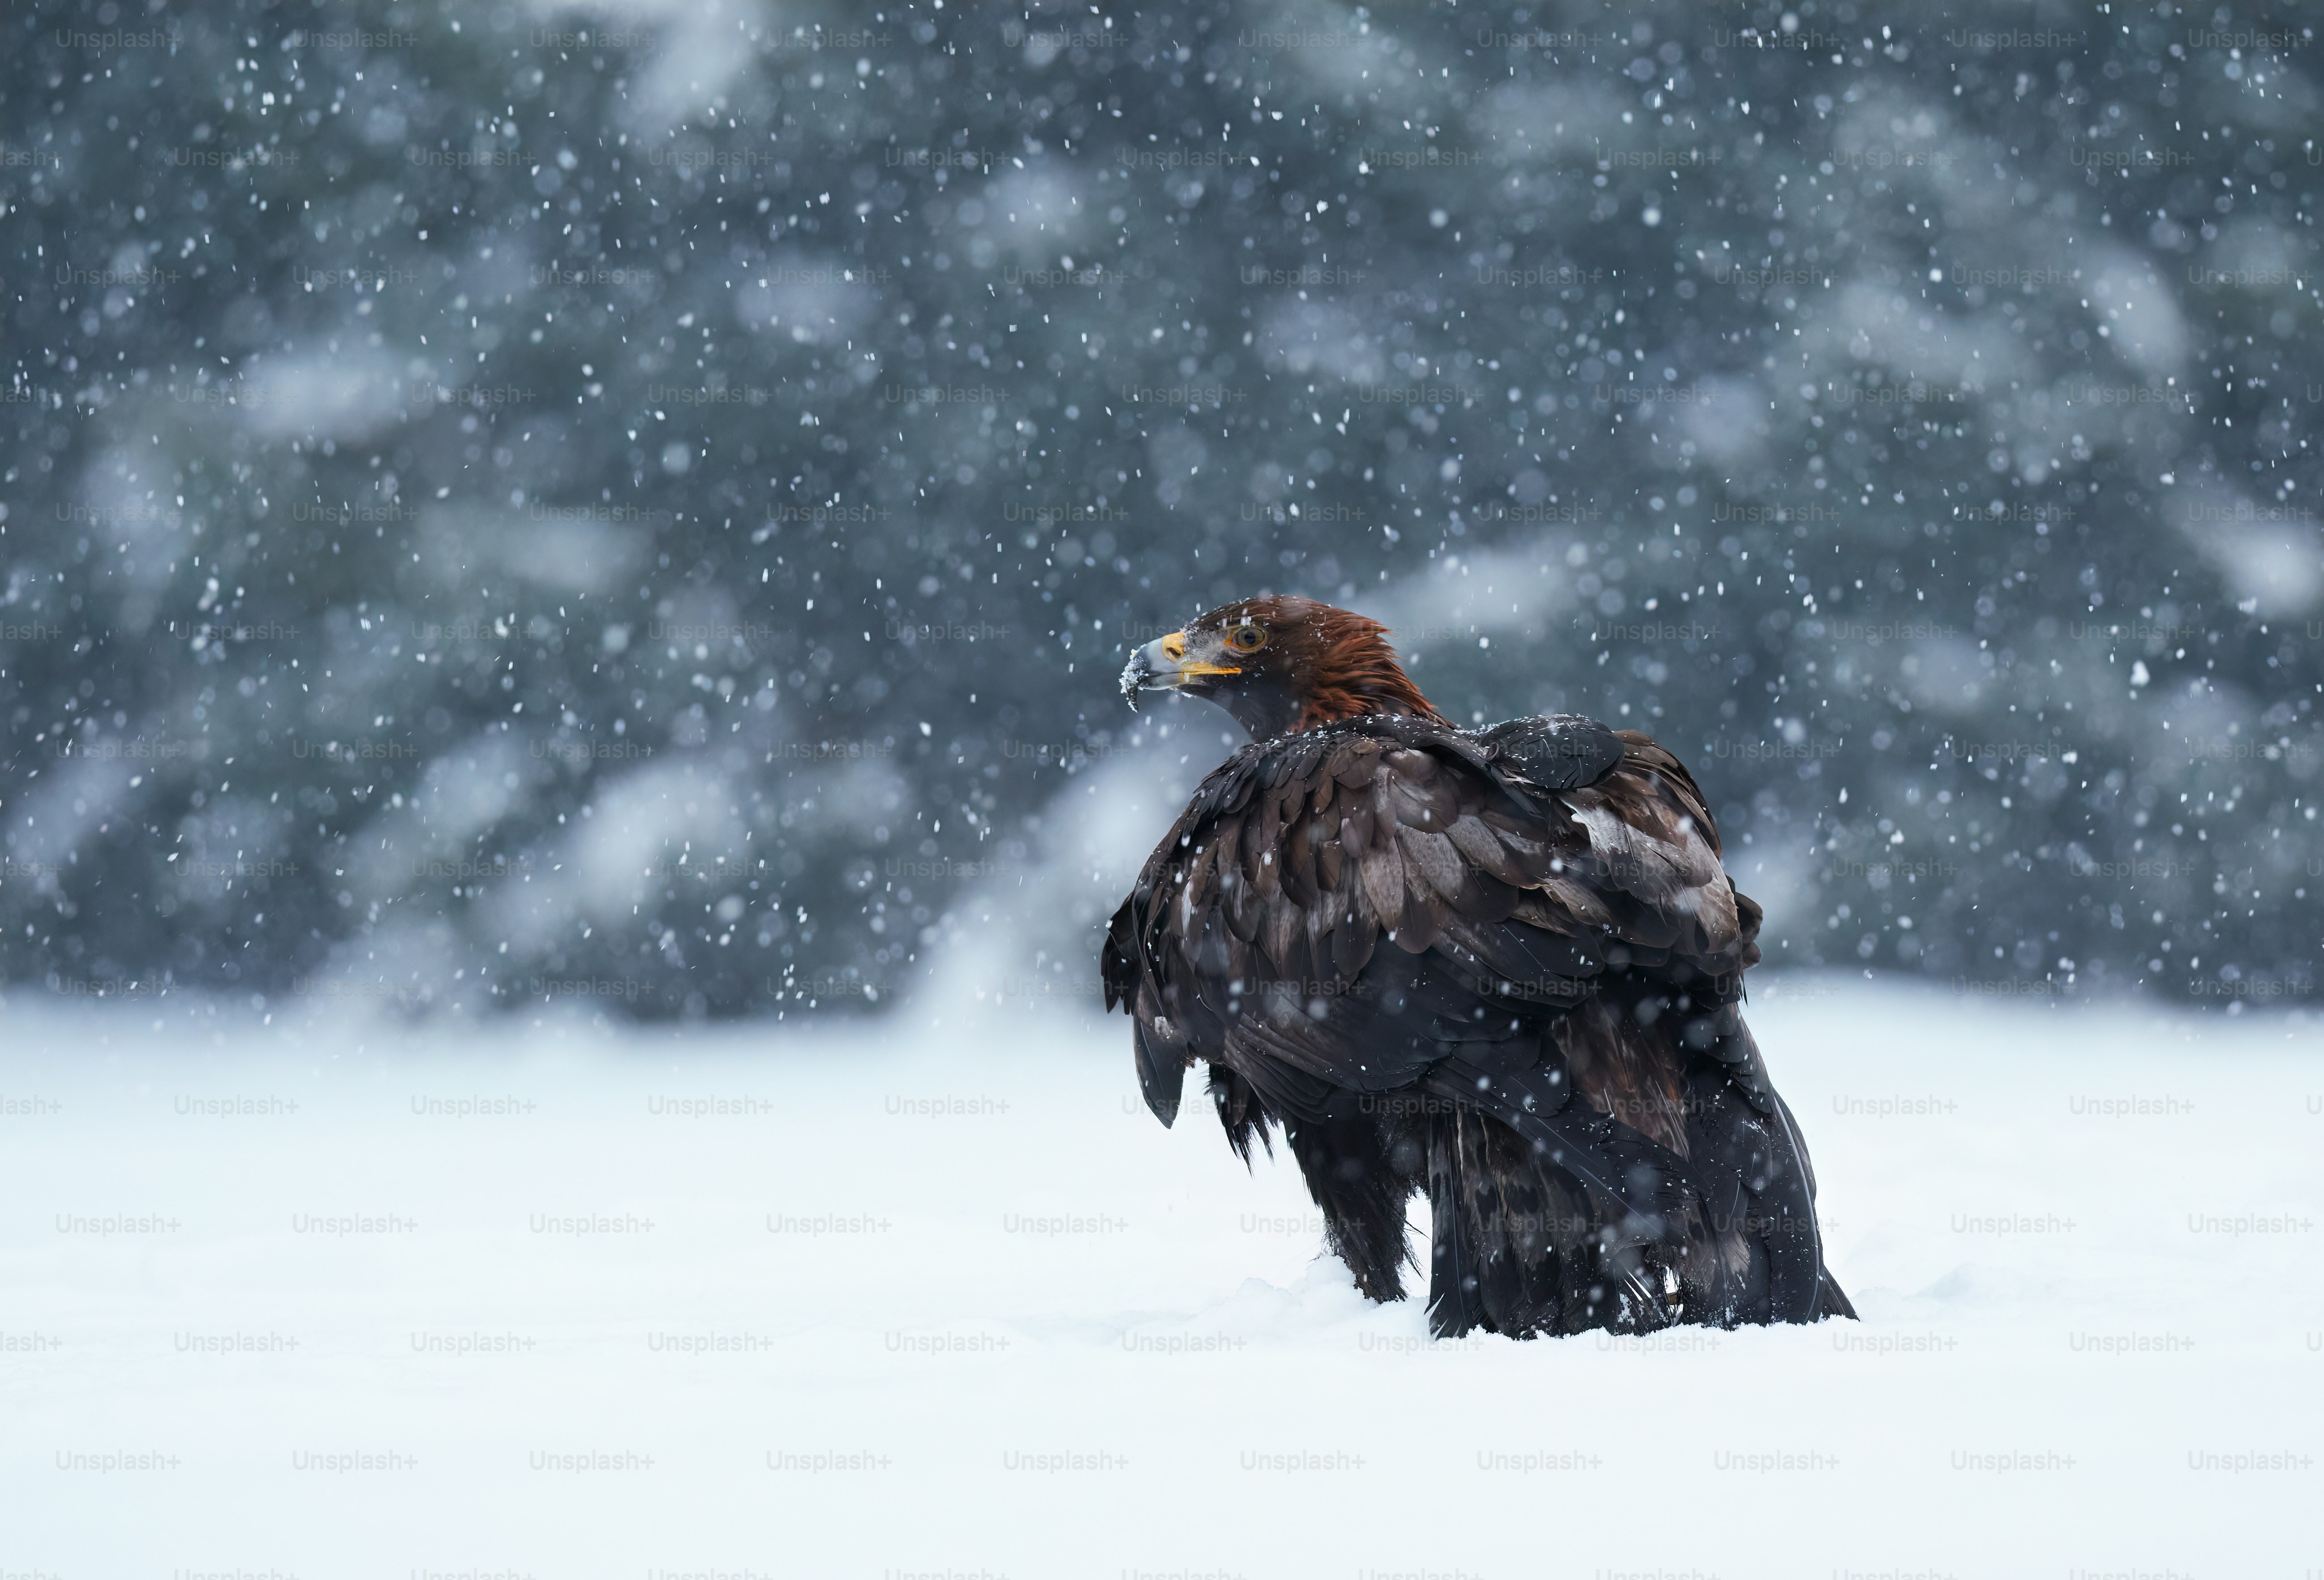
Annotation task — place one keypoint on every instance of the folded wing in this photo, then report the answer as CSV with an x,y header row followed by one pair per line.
x,y
1527,933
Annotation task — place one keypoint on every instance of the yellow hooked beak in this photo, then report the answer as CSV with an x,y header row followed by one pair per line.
x,y
1163,662
1174,655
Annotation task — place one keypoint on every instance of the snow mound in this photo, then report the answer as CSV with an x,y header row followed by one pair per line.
x,y
935,1295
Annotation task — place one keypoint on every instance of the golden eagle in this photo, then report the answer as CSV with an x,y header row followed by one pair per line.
x,y
1500,966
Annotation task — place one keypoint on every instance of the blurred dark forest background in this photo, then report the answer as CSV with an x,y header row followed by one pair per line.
x,y
505,502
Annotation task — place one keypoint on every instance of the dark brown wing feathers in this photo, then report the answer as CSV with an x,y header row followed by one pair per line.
x,y
1391,828
1564,966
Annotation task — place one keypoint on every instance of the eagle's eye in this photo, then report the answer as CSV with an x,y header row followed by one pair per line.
x,y
1247,639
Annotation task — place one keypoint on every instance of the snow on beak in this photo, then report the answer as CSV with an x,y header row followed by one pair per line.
x,y
1162,664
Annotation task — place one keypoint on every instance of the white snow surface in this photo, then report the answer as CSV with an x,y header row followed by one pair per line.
x,y
935,1295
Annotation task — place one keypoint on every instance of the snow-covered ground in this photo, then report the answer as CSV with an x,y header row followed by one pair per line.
x,y
937,1296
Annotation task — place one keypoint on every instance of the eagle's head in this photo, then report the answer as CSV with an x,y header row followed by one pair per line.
x,y
1277,664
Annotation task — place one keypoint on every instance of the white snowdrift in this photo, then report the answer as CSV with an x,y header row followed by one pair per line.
x,y
328,1298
